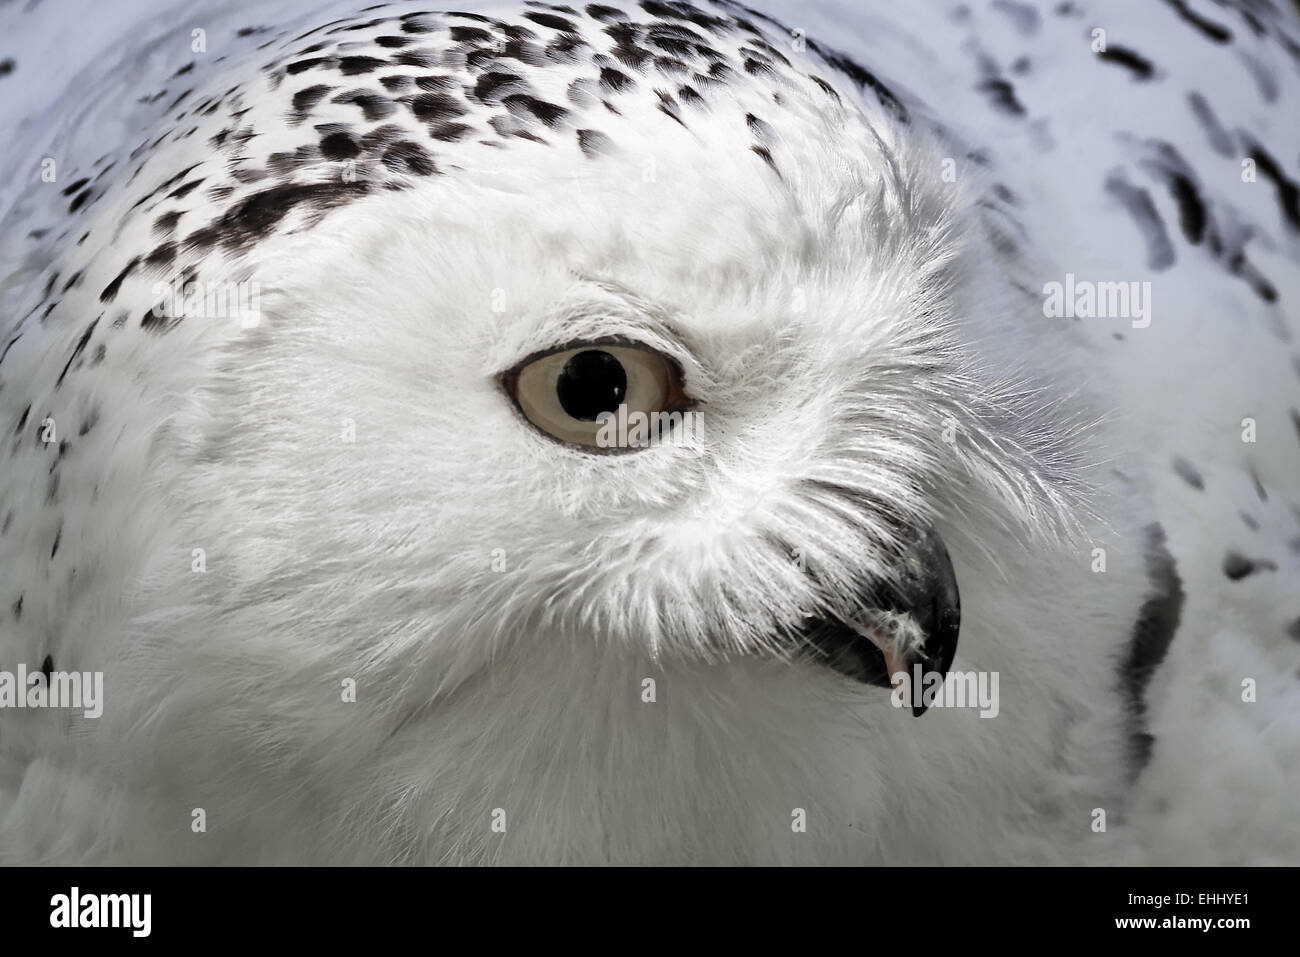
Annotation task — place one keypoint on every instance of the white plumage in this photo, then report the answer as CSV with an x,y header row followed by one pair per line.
x,y
849,271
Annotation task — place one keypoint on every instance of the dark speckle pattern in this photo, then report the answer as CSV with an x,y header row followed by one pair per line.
x,y
1160,251
1153,632
1131,60
594,142
1288,191
1209,28
1189,474
1237,566
1219,139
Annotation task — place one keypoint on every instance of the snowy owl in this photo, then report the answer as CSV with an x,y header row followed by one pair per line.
x,y
650,432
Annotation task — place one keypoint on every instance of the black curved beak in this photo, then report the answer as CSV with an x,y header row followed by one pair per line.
x,y
922,601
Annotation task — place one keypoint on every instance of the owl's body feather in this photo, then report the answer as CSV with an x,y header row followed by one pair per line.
x,y
841,226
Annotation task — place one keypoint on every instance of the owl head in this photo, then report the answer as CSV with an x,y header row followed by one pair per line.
x,y
614,408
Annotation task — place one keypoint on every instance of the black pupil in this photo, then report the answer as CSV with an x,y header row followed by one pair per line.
x,y
590,383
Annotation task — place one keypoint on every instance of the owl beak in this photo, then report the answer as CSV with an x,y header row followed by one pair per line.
x,y
911,623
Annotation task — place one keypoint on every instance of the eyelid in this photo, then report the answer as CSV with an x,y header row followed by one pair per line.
x,y
510,377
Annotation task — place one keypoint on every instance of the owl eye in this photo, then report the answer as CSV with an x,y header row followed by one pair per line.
x,y
566,393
